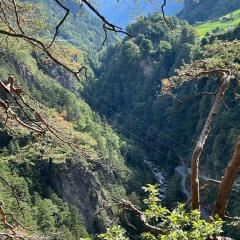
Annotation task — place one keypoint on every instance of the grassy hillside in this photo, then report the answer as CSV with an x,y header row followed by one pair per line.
x,y
224,23
205,10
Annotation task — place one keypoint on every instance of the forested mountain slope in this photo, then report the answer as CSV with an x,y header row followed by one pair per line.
x,y
51,174
204,10
60,187
112,131
128,93
81,28
129,83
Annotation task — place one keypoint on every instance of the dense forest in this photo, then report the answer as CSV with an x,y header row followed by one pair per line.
x,y
109,133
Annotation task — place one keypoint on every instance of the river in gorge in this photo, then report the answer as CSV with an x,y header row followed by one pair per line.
x,y
160,178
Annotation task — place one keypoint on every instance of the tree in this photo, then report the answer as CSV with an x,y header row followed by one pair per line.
x,y
220,61
146,46
226,184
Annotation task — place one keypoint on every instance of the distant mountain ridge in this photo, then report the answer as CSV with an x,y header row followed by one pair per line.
x,y
124,12
204,10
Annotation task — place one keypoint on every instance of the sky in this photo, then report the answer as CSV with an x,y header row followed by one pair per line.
x,y
123,12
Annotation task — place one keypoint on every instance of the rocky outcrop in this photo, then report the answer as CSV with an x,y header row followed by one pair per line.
x,y
19,68
57,73
79,187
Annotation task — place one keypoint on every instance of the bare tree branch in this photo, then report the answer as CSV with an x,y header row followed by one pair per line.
x,y
61,21
163,13
8,226
128,206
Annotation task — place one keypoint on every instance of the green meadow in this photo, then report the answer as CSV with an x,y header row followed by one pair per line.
x,y
233,19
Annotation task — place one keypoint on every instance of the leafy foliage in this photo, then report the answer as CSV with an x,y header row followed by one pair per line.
x,y
114,232
177,224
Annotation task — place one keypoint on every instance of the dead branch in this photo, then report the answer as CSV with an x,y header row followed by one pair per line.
x,y
164,4
39,44
61,21
13,191
14,33
10,8
39,124
11,231
128,206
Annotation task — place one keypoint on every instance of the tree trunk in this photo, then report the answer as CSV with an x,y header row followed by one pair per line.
x,y
225,80
227,182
